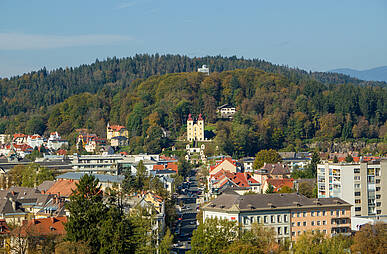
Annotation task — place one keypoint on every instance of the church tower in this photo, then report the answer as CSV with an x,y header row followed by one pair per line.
x,y
200,128
190,128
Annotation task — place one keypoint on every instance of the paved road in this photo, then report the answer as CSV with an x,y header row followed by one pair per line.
x,y
187,224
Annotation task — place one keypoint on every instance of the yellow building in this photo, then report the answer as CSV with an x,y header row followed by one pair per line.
x,y
116,131
195,131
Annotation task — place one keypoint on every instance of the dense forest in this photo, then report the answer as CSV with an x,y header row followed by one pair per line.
x,y
33,92
274,110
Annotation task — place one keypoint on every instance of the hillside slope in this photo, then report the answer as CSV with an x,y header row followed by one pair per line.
x,y
273,111
33,92
377,74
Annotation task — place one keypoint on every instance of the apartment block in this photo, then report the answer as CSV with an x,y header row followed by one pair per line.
x,y
290,214
363,185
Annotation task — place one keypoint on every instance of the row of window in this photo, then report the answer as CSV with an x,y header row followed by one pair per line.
x,y
266,219
319,213
313,223
285,230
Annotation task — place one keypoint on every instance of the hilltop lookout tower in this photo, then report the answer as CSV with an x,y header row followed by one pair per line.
x,y
204,69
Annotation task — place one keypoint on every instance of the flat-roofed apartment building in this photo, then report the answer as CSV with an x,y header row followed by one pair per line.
x,y
290,214
363,185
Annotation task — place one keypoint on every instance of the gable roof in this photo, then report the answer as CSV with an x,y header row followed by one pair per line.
x,y
276,169
279,183
63,188
45,226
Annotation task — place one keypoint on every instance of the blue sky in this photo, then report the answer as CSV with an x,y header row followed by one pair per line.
x,y
313,35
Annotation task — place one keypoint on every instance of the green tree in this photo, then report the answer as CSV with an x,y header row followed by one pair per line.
x,y
142,179
87,211
184,168
270,189
349,158
212,236
129,182
44,174
266,156
285,189
306,189
166,243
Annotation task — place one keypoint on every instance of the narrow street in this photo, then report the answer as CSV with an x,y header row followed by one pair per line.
x,y
187,211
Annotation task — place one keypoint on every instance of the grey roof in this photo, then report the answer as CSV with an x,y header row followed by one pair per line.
x,y
230,201
100,177
45,185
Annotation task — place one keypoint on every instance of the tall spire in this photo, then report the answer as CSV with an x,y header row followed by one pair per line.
x,y
200,117
190,117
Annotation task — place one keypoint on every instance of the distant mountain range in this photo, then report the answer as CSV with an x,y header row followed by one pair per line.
x,y
375,74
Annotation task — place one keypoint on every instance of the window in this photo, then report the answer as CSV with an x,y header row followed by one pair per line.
x,y
293,224
332,212
357,185
304,223
299,232
357,209
324,231
378,212
337,212
304,214
264,219
272,219
285,218
377,180
293,233
377,188
357,193
378,204
312,223
279,231
357,201
318,213
343,212
278,218
293,215
356,170
378,196
312,213
258,219
324,222
318,223
323,213
356,178
298,214
286,231
298,224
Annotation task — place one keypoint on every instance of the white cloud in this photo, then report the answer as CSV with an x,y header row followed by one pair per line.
x,y
19,41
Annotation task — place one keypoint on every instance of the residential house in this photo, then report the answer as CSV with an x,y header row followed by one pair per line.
x,y
55,142
35,140
226,111
119,141
116,131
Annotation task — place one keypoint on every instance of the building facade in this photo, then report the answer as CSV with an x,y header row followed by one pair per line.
x,y
290,214
195,131
363,185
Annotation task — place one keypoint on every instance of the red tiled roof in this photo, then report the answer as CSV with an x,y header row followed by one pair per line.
x,y
63,188
116,127
172,166
217,163
61,152
158,167
19,135
45,226
23,147
279,183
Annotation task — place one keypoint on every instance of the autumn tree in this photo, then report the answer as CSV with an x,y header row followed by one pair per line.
x,y
266,156
371,239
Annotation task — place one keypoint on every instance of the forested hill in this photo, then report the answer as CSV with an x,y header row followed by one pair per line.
x,y
34,91
273,111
